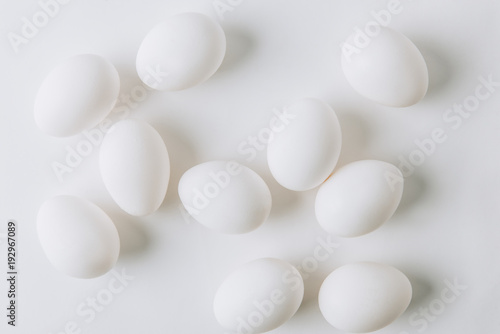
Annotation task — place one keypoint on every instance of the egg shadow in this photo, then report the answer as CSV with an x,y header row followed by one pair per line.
x,y
422,289
441,69
312,284
415,187
182,157
128,78
283,200
239,45
355,137
134,236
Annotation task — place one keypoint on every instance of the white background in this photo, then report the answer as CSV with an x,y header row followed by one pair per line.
x,y
447,227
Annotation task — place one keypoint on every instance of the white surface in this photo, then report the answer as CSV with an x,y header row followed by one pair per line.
x,y
446,229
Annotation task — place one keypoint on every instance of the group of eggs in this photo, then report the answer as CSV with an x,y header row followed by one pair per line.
x,y
81,240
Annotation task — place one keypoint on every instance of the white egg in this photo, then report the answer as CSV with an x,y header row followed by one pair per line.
x,y
77,236
76,95
135,166
304,153
386,68
259,296
225,196
359,197
181,52
364,297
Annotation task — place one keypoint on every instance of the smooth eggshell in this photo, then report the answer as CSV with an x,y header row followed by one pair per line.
x,y
305,152
76,95
186,49
77,236
390,70
359,197
225,196
259,296
135,166
364,297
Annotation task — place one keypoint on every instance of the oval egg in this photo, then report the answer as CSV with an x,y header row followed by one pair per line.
x,y
364,297
359,197
386,68
303,153
76,95
135,166
259,296
225,196
77,236
181,52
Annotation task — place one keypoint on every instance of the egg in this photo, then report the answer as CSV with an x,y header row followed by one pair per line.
x,y
304,153
364,297
386,68
359,197
135,166
259,296
78,238
181,52
225,196
76,95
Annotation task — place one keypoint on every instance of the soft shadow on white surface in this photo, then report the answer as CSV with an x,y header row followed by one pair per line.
x,y
239,46
309,309
134,235
442,69
283,199
422,289
182,157
312,284
355,136
415,188
128,77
